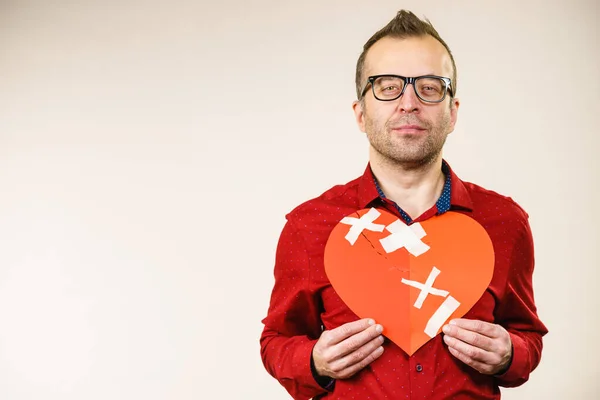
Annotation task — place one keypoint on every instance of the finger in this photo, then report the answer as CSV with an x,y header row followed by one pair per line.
x,y
357,356
477,365
471,337
348,372
347,330
481,327
470,351
353,342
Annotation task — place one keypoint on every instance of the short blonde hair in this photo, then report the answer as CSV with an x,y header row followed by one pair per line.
x,y
404,25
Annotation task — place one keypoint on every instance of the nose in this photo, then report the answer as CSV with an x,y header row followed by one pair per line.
x,y
409,102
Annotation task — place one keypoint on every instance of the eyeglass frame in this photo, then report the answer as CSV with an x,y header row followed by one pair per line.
x,y
407,81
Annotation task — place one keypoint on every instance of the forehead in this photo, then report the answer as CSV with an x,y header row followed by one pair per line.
x,y
408,57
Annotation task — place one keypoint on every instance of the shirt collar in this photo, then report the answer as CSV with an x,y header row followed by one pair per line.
x,y
459,195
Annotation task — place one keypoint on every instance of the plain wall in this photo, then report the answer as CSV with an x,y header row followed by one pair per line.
x,y
150,150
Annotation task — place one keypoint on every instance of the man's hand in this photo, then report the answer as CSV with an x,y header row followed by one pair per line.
x,y
481,345
341,352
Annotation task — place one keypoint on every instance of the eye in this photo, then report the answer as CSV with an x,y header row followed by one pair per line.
x,y
429,88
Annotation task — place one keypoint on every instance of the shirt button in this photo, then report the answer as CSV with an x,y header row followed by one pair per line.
x,y
419,368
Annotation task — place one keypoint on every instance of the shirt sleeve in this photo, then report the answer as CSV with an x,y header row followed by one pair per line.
x,y
517,313
292,325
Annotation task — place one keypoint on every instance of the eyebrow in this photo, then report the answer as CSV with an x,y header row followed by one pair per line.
x,y
391,74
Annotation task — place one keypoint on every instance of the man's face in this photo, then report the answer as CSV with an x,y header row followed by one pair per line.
x,y
407,130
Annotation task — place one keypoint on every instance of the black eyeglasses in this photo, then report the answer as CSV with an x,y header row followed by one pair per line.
x,y
429,88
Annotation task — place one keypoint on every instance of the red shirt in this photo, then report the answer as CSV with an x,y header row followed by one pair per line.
x,y
303,303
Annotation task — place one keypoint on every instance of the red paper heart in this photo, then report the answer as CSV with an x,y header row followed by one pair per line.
x,y
368,274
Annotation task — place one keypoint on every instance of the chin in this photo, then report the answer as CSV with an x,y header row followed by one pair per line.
x,y
413,160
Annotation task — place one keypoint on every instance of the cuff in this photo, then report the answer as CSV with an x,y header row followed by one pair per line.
x,y
303,378
518,370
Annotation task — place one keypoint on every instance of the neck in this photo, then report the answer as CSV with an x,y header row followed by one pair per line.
x,y
415,188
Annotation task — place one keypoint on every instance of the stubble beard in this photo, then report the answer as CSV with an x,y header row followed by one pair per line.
x,y
408,151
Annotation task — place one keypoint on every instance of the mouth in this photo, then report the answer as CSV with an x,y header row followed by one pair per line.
x,y
414,129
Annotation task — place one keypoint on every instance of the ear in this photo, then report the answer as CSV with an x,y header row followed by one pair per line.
x,y
359,114
454,105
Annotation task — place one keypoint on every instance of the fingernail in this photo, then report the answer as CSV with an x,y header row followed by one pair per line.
x,y
453,322
371,322
445,329
379,328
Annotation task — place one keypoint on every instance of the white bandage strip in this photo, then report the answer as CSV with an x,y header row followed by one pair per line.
x,y
358,225
406,236
427,288
441,315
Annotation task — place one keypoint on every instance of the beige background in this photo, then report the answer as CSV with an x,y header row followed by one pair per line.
x,y
149,152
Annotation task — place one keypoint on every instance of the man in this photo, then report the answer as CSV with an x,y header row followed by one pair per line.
x,y
312,343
